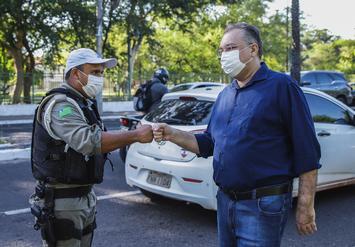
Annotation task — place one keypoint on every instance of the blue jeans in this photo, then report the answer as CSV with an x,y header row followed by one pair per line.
x,y
259,222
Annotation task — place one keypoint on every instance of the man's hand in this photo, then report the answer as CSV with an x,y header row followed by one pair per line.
x,y
144,134
184,139
306,220
162,132
305,213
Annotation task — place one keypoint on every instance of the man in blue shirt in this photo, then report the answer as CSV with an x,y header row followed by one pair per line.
x,y
261,136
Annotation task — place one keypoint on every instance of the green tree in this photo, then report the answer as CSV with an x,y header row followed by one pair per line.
x,y
28,26
140,21
345,50
332,55
316,36
321,56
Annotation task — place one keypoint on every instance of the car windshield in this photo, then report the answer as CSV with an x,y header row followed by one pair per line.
x,y
181,112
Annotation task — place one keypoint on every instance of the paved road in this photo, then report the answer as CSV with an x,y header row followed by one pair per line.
x,y
133,220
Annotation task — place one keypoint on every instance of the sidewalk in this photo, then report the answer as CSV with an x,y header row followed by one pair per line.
x,y
23,114
20,116
27,119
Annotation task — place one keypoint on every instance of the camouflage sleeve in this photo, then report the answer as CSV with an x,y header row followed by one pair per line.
x,y
64,120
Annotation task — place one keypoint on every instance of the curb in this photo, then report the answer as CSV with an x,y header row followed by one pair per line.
x,y
12,154
29,109
29,121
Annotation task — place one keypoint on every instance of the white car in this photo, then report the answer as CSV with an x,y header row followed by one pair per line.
x,y
165,169
195,85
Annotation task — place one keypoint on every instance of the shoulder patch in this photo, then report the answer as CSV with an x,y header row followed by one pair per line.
x,y
66,111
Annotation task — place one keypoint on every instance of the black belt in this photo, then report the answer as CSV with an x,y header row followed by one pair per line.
x,y
71,192
259,192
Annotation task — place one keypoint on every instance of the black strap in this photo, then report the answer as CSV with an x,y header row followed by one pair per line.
x,y
72,192
259,192
90,228
82,102
109,160
67,92
56,157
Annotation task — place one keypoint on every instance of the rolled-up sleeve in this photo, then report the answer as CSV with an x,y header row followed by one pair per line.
x,y
305,146
73,129
205,144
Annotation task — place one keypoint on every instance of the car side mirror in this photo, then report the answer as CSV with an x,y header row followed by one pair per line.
x,y
305,83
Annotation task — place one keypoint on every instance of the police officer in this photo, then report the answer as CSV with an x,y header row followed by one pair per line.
x,y
158,87
69,150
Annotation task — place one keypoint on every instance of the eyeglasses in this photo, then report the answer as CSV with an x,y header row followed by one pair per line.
x,y
229,48
98,73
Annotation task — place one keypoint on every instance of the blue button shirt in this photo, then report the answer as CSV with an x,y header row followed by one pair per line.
x,y
261,134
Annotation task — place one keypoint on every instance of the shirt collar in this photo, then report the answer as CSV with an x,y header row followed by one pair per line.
x,y
260,75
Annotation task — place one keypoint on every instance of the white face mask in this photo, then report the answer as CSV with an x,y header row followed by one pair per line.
x,y
93,86
231,63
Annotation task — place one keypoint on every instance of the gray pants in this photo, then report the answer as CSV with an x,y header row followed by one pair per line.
x,y
81,218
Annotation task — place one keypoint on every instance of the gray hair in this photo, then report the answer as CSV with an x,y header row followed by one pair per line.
x,y
251,34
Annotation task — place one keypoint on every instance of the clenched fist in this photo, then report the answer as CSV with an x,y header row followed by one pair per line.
x,y
144,134
162,132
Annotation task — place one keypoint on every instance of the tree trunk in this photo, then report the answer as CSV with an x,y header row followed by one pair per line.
x,y
30,68
130,67
17,55
132,51
296,48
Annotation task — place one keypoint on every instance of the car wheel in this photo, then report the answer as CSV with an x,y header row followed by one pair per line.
x,y
342,99
153,197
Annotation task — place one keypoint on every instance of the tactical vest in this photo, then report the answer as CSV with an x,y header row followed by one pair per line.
x,y
53,161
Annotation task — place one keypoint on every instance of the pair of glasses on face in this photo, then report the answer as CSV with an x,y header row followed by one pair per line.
x,y
229,48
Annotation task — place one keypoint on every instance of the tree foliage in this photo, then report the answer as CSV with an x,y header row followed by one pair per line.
x,y
28,26
181,35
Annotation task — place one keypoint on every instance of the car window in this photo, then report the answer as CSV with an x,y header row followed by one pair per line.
x,y
309,77
180,88
325,111
323,78
181,112
337,76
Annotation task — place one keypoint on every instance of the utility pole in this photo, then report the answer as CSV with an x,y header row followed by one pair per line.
x,y
296,43
287,40
99,14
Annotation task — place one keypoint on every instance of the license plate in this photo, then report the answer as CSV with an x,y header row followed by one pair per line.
x,y
159,179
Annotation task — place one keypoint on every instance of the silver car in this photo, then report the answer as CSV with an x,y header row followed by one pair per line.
x,y
195,85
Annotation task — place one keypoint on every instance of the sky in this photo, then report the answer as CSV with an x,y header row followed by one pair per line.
x,y
337,16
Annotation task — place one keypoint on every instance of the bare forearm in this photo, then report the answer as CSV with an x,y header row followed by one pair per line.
x,y
185,140
307,189
111,140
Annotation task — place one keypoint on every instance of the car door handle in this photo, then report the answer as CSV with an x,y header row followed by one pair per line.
x,y
323,133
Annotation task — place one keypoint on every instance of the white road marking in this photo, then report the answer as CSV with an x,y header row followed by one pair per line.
x,y
118,195
104,197
17,211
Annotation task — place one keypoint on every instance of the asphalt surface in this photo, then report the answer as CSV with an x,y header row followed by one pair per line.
x,y
134,220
